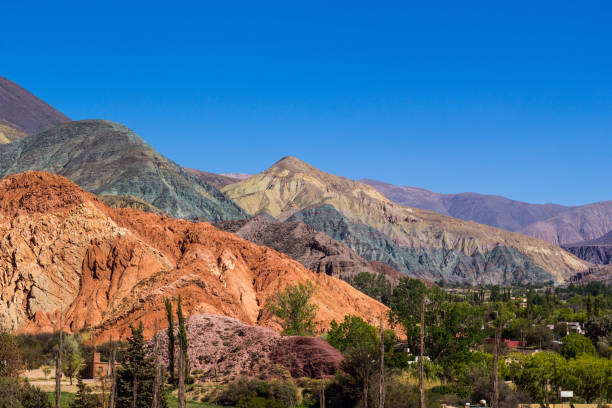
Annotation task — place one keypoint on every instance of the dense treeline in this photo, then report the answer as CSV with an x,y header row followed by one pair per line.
x,y
504,345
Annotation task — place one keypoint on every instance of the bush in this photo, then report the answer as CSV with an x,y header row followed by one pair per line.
x,y
240,389
259,402
576,344
34,397
285,391
17,394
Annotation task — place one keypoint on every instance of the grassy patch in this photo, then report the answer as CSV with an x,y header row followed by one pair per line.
x,y
66,399
173,403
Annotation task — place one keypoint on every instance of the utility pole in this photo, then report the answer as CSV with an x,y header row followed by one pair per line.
x,y
113,385
495,374
58,364
322,395
421,356
157,380
381,371
181,379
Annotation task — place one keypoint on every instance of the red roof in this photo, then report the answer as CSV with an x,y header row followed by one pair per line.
x,y
514,343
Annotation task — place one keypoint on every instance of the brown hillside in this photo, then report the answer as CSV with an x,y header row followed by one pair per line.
x,y
61,247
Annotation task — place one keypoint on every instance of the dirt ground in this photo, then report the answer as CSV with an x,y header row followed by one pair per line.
x,y
37,378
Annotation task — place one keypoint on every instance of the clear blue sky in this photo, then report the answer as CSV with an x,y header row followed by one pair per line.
x,y
512,99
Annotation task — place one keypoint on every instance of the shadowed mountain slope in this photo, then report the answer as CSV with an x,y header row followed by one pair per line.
x,y
374,227
22,113
108,158
597,251
62,248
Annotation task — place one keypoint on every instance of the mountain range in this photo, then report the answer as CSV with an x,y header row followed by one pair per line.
x,y
22,113
108,158
416,242
552,222
109,255
61,248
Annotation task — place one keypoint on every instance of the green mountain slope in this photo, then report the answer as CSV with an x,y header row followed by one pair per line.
x,y
108,158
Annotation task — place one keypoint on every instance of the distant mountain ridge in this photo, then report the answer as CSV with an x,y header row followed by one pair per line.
x,y
22,113
417,242
551,222
107,158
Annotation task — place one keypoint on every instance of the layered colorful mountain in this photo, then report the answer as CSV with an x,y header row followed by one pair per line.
x,y
417,242
22,113
551,222
108,158
313,249
63,249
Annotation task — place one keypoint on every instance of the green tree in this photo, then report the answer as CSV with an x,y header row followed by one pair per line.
x,y
539,336
183,336
575,344
72,361
416,309
170,317
33,397
84,398
293,307
358,342
135,377
542,376
451,327
517,329
597,327
374,285
502,316
590,377
15,393
10,357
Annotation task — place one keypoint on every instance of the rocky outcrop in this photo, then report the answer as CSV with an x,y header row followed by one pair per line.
x,y
313,249
222,348
22,113
117,201
291,187
598,274
108,158
217,180
61,248
597,251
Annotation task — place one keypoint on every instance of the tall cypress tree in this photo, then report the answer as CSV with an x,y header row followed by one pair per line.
x,y
171,339
84,398
183,336
136,376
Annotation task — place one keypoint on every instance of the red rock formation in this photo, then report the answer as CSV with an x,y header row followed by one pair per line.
x,y
62,248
